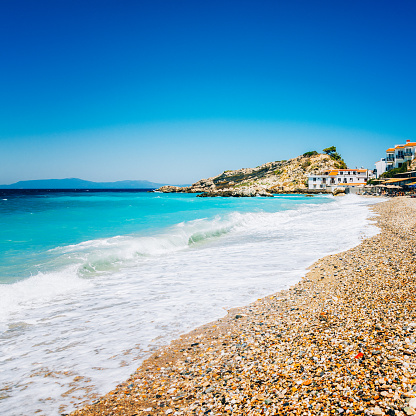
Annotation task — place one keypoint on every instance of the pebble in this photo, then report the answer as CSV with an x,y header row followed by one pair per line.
x,y
377,411
337,345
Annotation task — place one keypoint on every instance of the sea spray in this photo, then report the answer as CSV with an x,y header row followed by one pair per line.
x,y
89,323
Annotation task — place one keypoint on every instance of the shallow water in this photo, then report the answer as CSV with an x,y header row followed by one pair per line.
x,y
93,283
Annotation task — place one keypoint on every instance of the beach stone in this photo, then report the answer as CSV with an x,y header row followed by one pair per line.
x,y
293,353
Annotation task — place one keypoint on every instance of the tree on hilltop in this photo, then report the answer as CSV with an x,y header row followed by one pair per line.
x,y
330,150
334,155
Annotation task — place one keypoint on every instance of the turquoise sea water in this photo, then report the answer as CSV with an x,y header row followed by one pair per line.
x,y
33,223
92,282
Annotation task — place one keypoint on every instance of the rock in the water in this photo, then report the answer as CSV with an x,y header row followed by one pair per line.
x,y
236,193
171,188
338,191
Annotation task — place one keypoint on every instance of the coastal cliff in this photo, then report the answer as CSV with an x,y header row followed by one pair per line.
x,y
285,176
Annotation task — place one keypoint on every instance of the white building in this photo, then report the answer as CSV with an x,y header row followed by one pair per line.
x,y
339,177
397,155
381,167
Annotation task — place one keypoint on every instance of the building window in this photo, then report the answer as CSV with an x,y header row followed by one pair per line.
x,y
351,179
314,179
314,186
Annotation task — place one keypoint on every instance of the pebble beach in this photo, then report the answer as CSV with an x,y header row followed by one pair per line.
x,y
341,341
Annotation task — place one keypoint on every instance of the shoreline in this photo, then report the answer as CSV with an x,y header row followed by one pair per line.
x,y
305,349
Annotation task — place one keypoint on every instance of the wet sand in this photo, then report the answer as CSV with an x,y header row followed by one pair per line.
x,y
341,341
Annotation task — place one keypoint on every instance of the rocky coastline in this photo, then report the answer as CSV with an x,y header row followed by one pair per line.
x,y
286,176
341,341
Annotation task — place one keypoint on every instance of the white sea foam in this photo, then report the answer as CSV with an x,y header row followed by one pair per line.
x,y
114,300
37,291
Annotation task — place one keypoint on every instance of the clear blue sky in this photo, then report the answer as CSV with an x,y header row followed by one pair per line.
x,y
173,91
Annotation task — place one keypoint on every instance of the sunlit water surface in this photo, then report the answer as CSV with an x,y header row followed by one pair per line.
x,y
91,283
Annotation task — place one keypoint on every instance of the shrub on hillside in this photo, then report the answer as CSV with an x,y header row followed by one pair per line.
x,y
341,165
311,153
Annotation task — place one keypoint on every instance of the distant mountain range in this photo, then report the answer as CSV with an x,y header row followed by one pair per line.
x,y
75,183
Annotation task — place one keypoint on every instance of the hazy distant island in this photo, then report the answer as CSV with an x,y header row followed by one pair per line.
x,y
75,183
284,176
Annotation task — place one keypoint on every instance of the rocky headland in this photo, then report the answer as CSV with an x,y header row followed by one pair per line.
x,y
284,176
